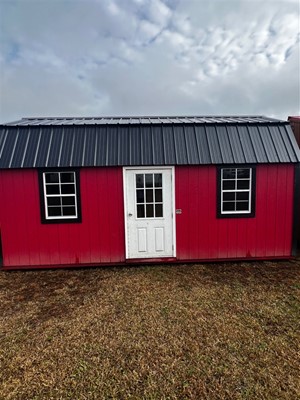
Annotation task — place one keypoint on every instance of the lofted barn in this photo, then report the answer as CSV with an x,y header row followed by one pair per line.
x,y
100,191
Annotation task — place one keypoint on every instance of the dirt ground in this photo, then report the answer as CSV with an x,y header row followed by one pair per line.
x,y
198,331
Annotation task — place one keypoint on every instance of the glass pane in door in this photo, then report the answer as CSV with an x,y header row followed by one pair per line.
x,y
149,196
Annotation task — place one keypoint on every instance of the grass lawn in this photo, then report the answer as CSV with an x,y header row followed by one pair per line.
x,y
213,331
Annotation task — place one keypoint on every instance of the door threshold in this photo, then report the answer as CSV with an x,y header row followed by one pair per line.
x,y
150,260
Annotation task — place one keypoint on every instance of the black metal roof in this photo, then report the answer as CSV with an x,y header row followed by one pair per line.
x,y
134,141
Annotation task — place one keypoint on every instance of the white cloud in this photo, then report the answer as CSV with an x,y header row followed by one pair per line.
x,y
158,12
147,31
149,57
113,8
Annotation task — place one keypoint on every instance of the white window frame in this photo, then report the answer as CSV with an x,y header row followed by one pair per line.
x,y
61,195
236,190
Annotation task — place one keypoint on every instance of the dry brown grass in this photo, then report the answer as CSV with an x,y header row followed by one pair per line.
x,y
214,331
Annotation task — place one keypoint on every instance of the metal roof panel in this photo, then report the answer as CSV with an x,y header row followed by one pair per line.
x,y
42,148
78,145
246,144
202,144
8,148
112,155
31,150
257,144
123,146
235,144
213,145
225,149
279,145
268,143
169,145
55,148
101,147
158,147
146,136
135,145
180,145
290,141
67,147
191,145
89,148
2,136
19,150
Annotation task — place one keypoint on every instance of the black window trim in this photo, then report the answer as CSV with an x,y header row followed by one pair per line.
x,y
44,219
253,191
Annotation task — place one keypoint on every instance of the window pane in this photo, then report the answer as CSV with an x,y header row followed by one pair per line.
x,y
52,189
67,177
158,210
243,173
51,177
228,173
69,211
68,201
242,206
228,185
149,180
54,211
141,211
229,206
149,211
139,178
227,196
158,195
53,201
68,189
140,196
149,195
243,184
158,180
242,196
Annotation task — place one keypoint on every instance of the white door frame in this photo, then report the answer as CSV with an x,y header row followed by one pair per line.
x,y
150,168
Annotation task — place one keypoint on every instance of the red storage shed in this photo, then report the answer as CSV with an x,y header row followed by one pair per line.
x,y
92,191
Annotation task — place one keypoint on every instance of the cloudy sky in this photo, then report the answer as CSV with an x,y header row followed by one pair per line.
x,y
149,57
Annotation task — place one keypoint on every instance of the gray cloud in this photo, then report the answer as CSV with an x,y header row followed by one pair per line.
x,y
149,57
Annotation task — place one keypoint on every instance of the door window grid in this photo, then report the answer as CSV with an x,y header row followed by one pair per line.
x,y
149,196
236,190
60,195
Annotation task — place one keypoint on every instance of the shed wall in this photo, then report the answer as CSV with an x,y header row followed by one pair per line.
x,y
200,235
98,239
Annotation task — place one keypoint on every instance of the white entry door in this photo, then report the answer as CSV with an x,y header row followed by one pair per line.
x,y
149,211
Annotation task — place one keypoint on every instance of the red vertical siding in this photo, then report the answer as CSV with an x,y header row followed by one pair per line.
x,y
28,242
201,235
100,238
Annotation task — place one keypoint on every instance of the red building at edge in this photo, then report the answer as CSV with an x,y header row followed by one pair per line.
x,y
100,191
295,124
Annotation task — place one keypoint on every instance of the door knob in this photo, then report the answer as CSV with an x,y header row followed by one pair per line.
x,y
129,215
